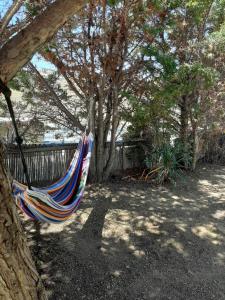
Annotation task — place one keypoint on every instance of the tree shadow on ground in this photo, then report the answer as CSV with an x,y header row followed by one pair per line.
x,y
134,241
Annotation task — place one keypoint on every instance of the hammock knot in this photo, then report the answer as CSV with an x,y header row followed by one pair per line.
x,y
4,89
19,140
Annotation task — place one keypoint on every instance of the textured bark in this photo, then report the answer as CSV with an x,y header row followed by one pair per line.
x,y
195,147
112,149
18,50
195,140
184,117
100,142
18,276
184,121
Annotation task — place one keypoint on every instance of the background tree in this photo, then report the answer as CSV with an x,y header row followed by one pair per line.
x,y
185,71
100,62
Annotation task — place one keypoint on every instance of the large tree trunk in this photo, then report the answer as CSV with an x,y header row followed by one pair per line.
x,y
18,276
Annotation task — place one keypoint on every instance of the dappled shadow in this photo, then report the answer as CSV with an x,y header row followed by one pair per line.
x,y
134,241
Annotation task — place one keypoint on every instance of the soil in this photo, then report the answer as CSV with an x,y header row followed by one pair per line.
x,y
136,241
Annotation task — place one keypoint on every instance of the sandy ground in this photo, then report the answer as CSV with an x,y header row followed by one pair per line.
x,y
134,241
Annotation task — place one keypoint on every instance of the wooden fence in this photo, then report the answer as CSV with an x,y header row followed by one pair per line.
x,y
47,163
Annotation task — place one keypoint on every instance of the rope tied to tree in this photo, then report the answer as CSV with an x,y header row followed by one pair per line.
x,y
7,93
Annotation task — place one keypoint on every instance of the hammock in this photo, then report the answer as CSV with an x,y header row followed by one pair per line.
x,y
56,203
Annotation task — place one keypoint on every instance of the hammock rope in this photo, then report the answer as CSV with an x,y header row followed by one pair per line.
x,y
57,202
7,93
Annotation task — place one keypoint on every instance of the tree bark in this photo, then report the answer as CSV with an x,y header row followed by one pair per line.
x,y
100,142
184,121
19,49
195,147
184,114
195,140
112,147
18,276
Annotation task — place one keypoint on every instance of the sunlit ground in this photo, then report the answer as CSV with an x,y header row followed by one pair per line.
x,y
135,241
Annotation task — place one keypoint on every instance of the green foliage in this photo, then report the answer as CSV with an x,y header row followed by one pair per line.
x,y
163,61
167,161
113,2
151,116
21,81
31,8
198,9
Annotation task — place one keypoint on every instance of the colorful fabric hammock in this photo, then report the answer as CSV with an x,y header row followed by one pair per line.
x,y
56,203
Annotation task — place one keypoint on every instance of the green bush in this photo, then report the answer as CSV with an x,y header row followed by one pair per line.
x,y
166,162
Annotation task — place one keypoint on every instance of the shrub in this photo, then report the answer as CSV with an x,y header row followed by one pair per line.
x,y
166,162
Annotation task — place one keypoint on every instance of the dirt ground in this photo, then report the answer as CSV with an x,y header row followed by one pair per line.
x,y
135,241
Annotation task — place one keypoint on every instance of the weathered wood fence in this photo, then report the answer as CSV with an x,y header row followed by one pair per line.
x,y
47,163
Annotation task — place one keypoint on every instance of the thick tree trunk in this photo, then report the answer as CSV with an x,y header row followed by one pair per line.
x,y
18,276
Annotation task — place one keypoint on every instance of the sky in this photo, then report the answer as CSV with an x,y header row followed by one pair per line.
x,y
41,64
4,4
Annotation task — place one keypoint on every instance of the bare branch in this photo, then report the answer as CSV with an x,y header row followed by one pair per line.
x,y
56,99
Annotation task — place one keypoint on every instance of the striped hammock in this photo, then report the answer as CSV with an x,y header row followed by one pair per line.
x,y
56,203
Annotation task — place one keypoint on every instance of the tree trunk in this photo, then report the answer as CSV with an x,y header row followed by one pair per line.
x,y
112,148
100,141
195,147
195,137
18,276
184,121
91,127
184,126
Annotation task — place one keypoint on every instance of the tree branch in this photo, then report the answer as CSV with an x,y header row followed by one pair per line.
x,y
52,58
9,14
19,49
56,99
